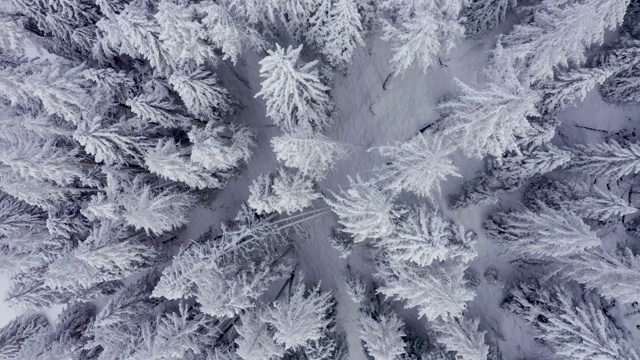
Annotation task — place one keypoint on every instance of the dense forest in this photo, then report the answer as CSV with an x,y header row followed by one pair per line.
x,y
320,179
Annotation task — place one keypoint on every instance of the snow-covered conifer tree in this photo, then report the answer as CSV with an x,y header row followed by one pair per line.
x,y
483,16
117,322
223,284
42,194
18,218
62,27
574,329
156,107
178,334
263,12
544,233
295,95
512,171
133,32
39,160
294,192
299,317
382,336
109,253
54,85
355,285
221,148
423,236
588,202
608,159
622,59
141,206
201,93
285,192
436,290
559,33
341,33
18,332
419,165
571,87
487,119
226,32
170,161
255,341
612,275
109,143
422,31
64,339
312,153
181,36
462,336
364,210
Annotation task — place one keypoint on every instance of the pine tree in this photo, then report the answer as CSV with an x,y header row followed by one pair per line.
x,y
608,159
544,233
223,279
177,334
109,253
201,93
571,87
228,33
220,148
588,202
423,236
462,336
293,192
312,153
62,27
171,162
341,33
382,336
18,332
513,171
419,165
284,192
559,33
56,86
622,86
254,341
42,194
364,210
18,218
422,31
118,320
109,143
182,37
39,160
355,286
158,108
483,16
436,290
575,330
295,95
141,206
612,275
64,339
487,119
300,318
263,12
132,32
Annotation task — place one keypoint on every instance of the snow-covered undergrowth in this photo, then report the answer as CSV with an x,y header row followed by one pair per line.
x,y
319,179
